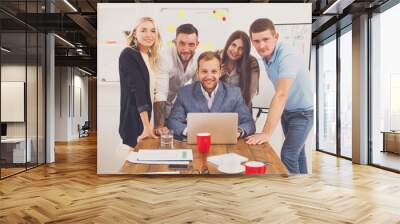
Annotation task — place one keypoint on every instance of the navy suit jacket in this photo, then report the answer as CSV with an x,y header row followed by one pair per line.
x,y
227,99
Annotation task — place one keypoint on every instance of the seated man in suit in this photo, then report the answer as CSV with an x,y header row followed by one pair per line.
x,y
209,95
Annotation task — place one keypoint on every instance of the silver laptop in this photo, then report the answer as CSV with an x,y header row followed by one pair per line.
x,y
221,126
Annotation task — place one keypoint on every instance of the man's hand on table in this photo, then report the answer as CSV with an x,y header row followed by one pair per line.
x,y
257,139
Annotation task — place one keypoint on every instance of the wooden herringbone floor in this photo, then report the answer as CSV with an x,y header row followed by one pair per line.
x,y
70,191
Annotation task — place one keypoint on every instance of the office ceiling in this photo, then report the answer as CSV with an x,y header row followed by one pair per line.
x,y
76,23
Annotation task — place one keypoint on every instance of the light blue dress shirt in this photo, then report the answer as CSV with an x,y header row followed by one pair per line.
x,y
286,63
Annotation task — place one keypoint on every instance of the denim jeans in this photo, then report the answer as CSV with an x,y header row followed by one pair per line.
x,y
296,126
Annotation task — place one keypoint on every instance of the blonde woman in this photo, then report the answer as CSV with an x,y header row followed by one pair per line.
x,y
138,67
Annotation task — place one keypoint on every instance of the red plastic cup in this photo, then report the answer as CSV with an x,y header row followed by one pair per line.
x,y
255,167
203,142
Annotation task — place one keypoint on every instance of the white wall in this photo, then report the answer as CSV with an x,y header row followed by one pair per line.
x,y
80,103
61,103
71,87
33,127
12,101
12,73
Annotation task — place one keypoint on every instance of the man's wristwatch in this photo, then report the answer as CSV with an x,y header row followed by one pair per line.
x,y
241,132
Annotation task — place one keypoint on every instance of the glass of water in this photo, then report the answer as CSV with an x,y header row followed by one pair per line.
x,y
167,139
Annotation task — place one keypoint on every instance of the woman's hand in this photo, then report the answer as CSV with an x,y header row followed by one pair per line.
x,y
161,130
147,133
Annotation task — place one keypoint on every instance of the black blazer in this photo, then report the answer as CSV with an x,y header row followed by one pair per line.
x,y
135,95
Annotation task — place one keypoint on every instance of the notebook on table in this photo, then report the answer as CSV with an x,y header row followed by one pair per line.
x,y
165,155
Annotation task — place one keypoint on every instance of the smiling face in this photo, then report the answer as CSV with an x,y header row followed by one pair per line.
x,y
146,34
209,72
186,45
264,42
235,50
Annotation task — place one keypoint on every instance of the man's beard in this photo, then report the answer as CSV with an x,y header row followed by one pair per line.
x,y
184,61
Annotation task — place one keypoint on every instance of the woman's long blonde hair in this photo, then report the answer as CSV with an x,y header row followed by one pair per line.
x,y
154,50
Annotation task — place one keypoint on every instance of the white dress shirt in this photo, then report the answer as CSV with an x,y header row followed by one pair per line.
x,y
173,75
210,100
153,78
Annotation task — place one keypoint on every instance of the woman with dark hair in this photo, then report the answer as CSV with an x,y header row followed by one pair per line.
x,y
239,67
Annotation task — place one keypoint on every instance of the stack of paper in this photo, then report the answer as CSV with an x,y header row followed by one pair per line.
x,y
180,156
218,160
166,155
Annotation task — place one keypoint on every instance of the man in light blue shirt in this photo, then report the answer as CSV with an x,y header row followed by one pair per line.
x,y
293,99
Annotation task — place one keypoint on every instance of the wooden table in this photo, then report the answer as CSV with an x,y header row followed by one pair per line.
x,y
262,152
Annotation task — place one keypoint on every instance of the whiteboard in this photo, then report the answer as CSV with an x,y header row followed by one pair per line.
x,y
208,21
215,22
298,36
12,101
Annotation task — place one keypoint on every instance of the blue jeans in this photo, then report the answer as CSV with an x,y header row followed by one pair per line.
x,y
296,126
